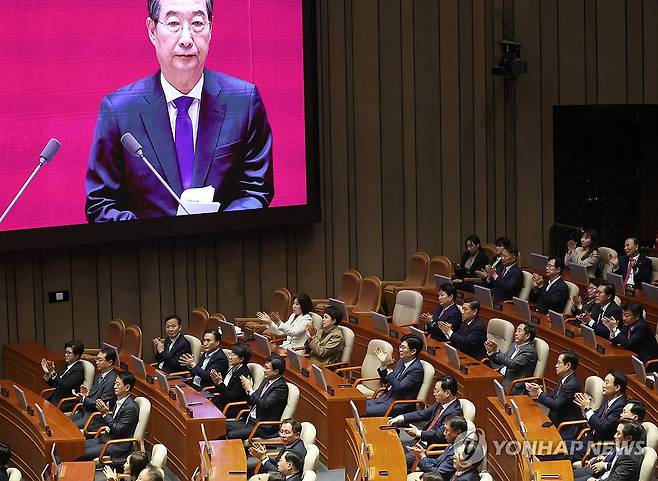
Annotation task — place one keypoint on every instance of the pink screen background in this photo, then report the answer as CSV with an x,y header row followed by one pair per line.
x,y
61,57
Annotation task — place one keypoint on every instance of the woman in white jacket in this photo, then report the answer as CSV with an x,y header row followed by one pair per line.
x,y
295,327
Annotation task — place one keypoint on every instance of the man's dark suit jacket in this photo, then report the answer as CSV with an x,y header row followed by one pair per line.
x,y
122,425
554,299
169,359
271,464
233,391
523,365
233,150
641,273
505,287
604,424
626,468
65,383
218,362
442,464
639,339
270,406
435,435
561,405
479,262
612,310
451,315
3,474
470,338
470,475
402,385
103,388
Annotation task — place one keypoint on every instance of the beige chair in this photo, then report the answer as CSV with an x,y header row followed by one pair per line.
x,y
648,464
370,298
196,325
311,459
132,342
541,347
573,291
89,373
408,306
652,434
527,286
368,381
308,434
281,302
485,477
468,408
309,475
654,267
14,474
349,291
346,356
195,346
316,320
114,337
593,387
428,383
416,278
257,373
604,256
159,456
502,332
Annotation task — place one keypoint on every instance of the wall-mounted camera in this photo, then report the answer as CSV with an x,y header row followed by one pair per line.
x,y
510,64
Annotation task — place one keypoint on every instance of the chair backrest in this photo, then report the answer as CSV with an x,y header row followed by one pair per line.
x,y
489,250
316,320
541,347
371,362
195,345
370,298
257,373
573,291
417,274
311,459
293,400
348,337
115,330
132,342
594,387
90,372
604,256
309,475
648,464
654,267
144,413
350,287
213,320
428,381
438,265
197,322
485,477
468,408
281,302
652,434
527,286
408,306
309,433
14,474
502,332
159,456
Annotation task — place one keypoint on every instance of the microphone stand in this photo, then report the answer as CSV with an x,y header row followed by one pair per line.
x,y
20,192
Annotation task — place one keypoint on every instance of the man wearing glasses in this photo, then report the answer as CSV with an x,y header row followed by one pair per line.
x,y
197,127
553,293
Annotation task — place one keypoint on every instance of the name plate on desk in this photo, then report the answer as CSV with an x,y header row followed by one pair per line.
x,y
534,319
353,320
189,412
569,334
431,350
149,379
393,334
600,349
629,292
172,394
304,372
330,390
649,382
463,369
4,392
30,410
460,294
498,306
123,366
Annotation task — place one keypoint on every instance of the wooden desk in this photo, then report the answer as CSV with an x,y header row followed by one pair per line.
x,y
326,412
80,471
228,461
30,444
636,389
386,452
474,386
22,362
504,439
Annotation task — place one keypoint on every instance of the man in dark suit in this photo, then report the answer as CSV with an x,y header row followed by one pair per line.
x,y
197,127
635,334
468,457
604,420
446,311
552,294
103,389
289,432
168,351
119,422
268,401
444,463
213,358
434,417
69,378
403,382
604,307
472,333
560,401
291,465
520,359
634,268
5,456
229,389
506,279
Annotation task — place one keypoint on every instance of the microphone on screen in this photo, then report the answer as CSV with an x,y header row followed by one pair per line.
x,y
47,154
133,146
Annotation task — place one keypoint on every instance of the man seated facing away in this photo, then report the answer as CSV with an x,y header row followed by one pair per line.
x,y
581,306
506,279
634,268
69,378
561,401
150,473
289,432
605,307
552,294
444,463
326,346
403,382
268,401
228,389
5,456
446,406
472,333
635,334
117,423
519,360
103,389
604,420
168,351
620,464
446,311
213,358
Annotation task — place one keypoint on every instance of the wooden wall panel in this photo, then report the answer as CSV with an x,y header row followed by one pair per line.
x,y
611,51
84,284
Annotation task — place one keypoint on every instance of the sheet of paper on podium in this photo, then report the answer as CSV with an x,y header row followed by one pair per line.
x,y
198,201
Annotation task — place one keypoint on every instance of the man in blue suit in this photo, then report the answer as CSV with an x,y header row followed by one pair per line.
x,y
444,463
197,127
635,335
506,279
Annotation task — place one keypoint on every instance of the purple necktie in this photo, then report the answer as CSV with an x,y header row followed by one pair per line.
x,y
184,140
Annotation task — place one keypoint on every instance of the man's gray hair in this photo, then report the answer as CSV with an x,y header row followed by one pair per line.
x,y
154,8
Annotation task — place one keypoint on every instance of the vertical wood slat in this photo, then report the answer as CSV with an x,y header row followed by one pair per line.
x,y
611,49
25,301
84,283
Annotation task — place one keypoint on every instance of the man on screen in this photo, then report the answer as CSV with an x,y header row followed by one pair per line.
x,y
197,127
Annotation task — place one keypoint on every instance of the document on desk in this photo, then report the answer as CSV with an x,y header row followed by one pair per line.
x,y
198,201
